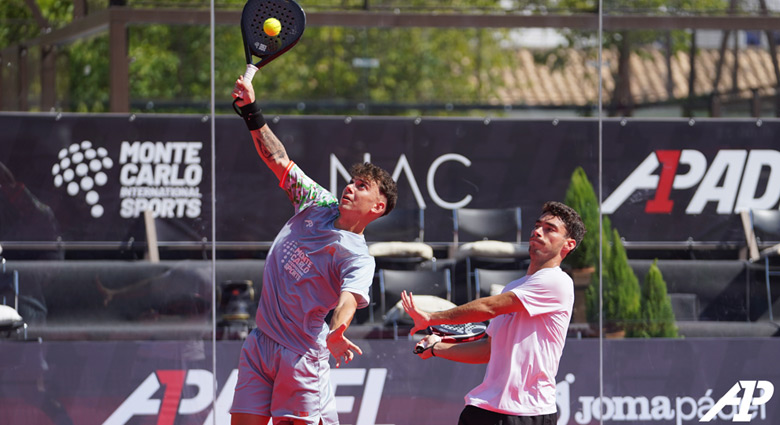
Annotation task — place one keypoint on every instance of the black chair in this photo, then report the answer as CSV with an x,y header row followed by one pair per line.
x,y
490,282
685,306
396,241
762,233
419,282
486,238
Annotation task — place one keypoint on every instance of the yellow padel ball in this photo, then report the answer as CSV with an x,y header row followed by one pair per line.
x,y
272,26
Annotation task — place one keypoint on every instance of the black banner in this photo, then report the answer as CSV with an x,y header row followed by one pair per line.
x,y
645,381
88,178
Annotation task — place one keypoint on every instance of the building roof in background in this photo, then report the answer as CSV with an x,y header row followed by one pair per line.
x,y
573,80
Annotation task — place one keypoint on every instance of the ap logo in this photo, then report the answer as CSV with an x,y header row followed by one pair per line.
x,y
80,169
745,402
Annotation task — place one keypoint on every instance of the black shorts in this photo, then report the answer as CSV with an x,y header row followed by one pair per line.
x,y
473,415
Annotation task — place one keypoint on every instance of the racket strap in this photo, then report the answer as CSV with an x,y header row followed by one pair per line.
x,y
252,115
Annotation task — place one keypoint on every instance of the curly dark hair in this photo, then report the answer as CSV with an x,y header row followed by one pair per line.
x,y
387,187
573,222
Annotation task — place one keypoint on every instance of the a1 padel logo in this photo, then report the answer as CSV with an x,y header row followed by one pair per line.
x,y
168,395
734,181
81,169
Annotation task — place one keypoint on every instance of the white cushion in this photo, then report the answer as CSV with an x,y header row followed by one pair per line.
x,y
771,251
428,303
489,249
496,289
9,316
401,249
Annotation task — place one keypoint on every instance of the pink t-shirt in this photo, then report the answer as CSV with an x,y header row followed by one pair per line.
x,y
526,347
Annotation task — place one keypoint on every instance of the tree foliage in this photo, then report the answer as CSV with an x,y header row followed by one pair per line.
x,y
169,65
626,42
85,78
582,198
621,292
656,315
17,22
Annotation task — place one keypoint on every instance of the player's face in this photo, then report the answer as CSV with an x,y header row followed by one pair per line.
x,y
548,237
360,196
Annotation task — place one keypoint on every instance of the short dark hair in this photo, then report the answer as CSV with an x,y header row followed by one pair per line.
x,y
575,228
382,178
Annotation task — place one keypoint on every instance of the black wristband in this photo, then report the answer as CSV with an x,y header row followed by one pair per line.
x,y
433,345
252,115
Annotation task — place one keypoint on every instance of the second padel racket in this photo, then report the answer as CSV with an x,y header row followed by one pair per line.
x,y
464,332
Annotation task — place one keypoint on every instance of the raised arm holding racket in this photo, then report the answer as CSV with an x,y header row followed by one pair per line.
x,y
526,335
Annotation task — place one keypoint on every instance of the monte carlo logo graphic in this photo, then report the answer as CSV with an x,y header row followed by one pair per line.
x,y
81,171
163,177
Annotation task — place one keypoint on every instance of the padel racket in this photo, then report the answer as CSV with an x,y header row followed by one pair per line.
x,y
257,43
464,332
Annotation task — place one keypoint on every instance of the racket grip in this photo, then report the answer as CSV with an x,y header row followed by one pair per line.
x,y
425,344
250,72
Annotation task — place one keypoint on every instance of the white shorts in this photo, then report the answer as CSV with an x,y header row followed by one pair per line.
x,y
274,381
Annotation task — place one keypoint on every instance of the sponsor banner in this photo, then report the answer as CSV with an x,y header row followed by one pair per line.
x,y
90,177
645,381
688,180
439,165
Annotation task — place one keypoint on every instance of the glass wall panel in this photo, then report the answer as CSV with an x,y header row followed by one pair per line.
x,y
137,216
494,115
688,110
105,216
498,114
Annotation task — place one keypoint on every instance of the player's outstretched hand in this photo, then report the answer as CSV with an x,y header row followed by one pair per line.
x,y
340,347
244,92
421,319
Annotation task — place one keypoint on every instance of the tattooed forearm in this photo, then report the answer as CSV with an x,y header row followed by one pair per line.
x,y
268,145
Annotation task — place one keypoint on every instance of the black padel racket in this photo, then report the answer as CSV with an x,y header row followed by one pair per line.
x,y
257,43
464,332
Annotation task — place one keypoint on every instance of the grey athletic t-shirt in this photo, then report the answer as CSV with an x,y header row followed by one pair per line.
x,y
310,263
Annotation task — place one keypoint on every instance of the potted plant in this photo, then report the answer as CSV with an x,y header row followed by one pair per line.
x,y
621,292
656,315
581,263
582,198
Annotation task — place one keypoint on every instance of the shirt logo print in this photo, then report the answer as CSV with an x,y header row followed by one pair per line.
x,y
294,260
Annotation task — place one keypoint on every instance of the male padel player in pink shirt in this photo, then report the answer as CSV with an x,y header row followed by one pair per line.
x,y
527,331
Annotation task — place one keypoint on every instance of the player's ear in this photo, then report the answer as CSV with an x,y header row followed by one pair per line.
x,y
380,204
379,207
568,246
